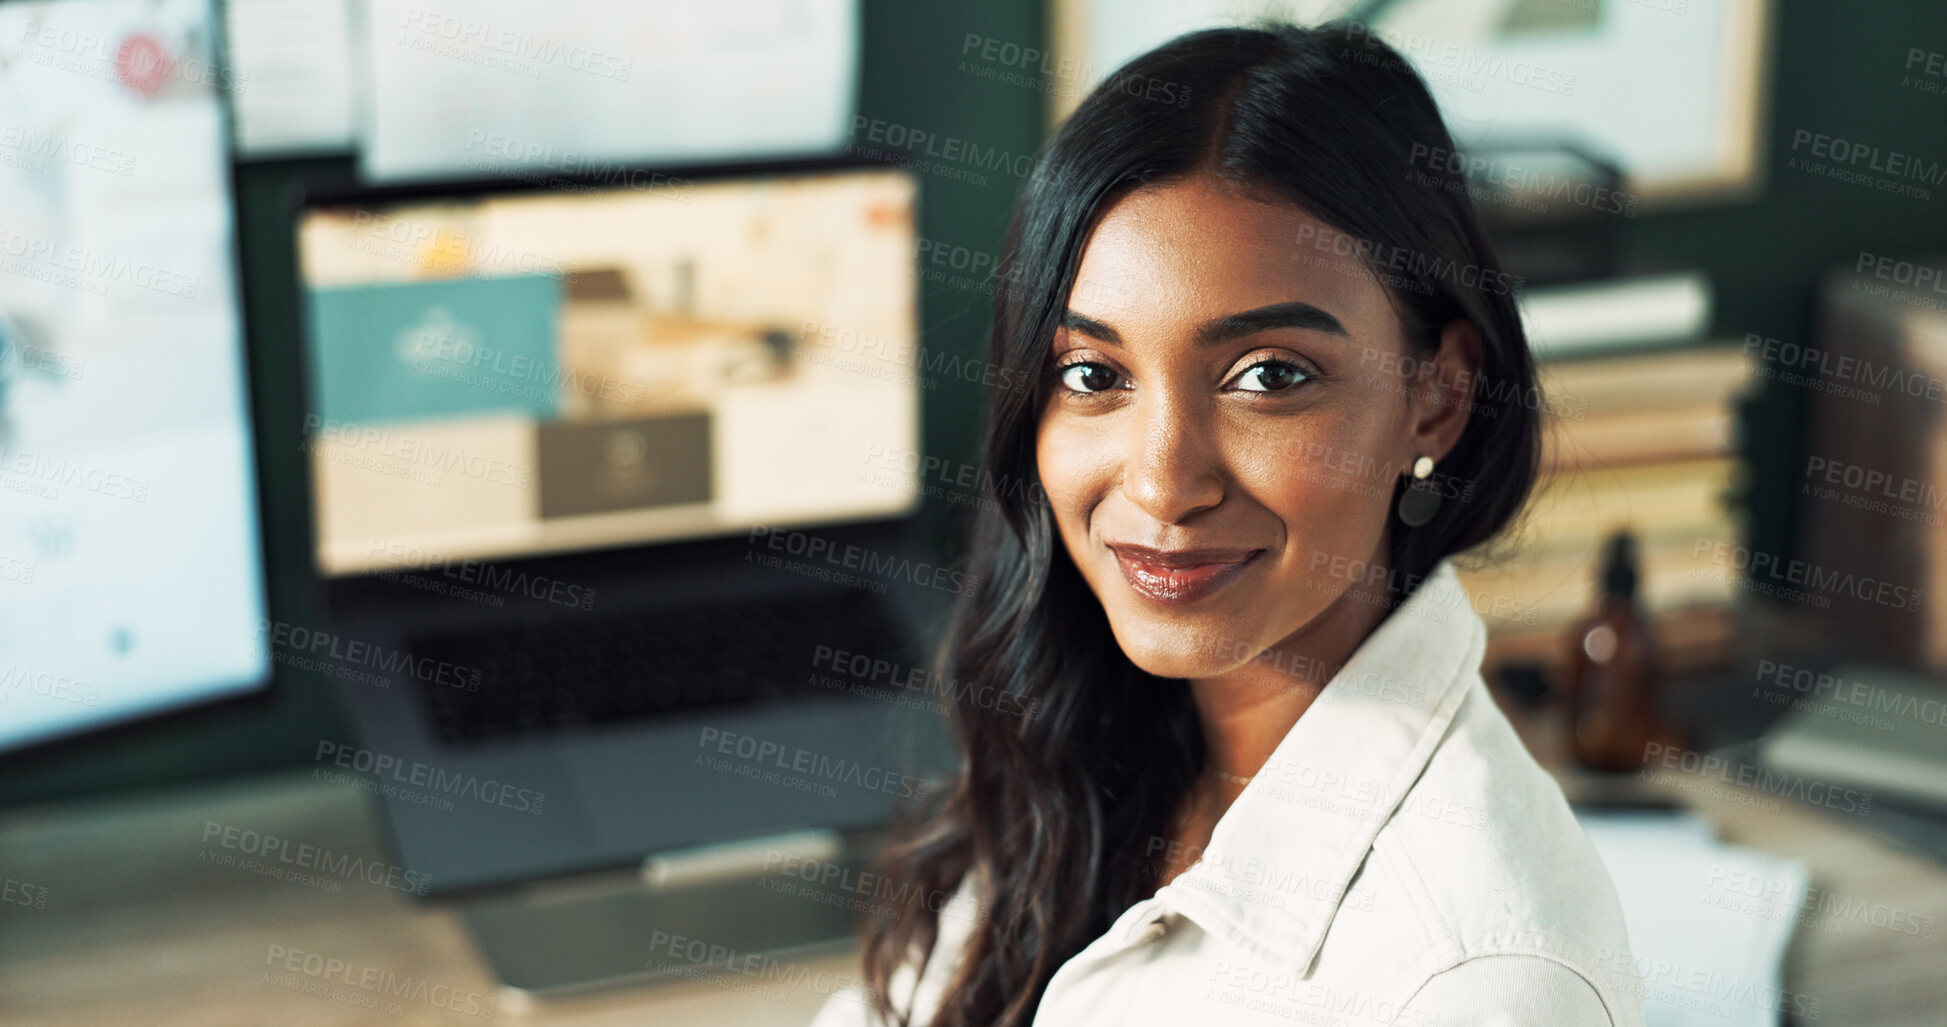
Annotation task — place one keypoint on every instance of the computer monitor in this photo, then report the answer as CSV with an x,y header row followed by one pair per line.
x,y
508,374
131,562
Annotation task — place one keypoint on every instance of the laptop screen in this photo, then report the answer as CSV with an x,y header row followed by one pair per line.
x,y
502,376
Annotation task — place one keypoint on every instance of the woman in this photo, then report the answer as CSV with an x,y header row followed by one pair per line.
x,y
1282,382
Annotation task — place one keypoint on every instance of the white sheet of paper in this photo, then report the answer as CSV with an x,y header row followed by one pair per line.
x,y
131,574
508,87
1708,922
292,61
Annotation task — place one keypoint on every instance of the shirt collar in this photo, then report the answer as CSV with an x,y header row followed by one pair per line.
x,y
1281,857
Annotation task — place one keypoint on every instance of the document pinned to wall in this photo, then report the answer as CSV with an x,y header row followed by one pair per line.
x,y
292,62
131,577
575,87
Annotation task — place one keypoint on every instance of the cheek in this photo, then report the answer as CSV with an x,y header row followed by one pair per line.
x,y
1327,482
1069,464
1320,487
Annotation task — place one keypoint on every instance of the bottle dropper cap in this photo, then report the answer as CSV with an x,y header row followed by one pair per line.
x,y
1619,573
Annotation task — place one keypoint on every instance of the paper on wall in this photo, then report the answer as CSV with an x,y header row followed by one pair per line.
x,y
573,87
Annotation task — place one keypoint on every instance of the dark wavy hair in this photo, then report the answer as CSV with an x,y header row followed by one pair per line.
x,y
1047,814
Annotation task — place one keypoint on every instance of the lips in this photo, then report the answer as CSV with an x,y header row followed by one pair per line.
x,y
1180,576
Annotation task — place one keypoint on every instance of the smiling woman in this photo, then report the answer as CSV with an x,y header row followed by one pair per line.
x,y
1280,382
1167,410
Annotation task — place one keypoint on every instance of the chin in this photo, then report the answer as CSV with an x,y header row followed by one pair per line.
x,y
1185,649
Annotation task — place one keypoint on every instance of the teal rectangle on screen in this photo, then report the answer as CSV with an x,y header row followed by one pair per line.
x,y
416,351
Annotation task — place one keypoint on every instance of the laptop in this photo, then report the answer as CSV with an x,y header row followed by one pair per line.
x,y
613,495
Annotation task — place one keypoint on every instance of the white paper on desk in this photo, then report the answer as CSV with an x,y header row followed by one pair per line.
x,y
1708,922
512,87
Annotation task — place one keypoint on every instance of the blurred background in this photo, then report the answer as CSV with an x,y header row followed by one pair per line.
x,y
479,484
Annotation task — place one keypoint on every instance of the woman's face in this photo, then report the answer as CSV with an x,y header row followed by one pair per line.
x,y
1232,389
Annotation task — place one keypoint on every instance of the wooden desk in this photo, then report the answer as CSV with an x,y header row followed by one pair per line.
x,y
1860,974
140,928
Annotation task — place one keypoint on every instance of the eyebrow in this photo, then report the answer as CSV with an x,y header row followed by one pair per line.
x,y
1231,326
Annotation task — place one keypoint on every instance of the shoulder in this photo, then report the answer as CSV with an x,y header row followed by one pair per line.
x,y
1505,882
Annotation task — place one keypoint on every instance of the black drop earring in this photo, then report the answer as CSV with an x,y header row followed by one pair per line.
x,y
1421,500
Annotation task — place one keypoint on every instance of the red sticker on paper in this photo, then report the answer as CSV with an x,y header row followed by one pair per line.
x,y
142,63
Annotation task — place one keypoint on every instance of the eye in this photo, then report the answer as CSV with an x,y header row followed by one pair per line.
x,y
1272,376
1086,377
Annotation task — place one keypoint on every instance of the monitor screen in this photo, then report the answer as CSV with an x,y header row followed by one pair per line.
x,y
131,569
508,375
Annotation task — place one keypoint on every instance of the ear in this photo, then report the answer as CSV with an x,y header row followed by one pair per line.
x,y
1442,401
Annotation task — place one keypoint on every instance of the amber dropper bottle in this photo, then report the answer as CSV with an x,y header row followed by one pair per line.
x,y
1612,668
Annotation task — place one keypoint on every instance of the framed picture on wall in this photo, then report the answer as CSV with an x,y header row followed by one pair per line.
x,y
1672,92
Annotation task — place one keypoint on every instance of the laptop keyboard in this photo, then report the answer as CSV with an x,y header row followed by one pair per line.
x,y
588,669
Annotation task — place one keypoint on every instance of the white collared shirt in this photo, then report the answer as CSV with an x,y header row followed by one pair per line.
x,y
1400,859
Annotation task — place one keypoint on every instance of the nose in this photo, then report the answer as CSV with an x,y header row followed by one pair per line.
x,y
1171,467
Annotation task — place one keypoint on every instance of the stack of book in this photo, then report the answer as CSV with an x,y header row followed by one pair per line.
x,y
1640,432
1872,494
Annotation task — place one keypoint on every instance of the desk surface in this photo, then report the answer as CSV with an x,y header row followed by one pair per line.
x,y
1857,972
138,926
